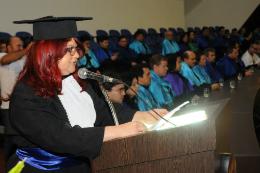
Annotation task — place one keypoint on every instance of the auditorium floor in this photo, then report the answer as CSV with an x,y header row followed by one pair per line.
x,y
2,162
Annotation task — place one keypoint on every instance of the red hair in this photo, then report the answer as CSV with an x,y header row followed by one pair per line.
x,y
41,67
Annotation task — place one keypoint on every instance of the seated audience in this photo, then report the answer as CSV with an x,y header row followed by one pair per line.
x,y
256,36
130,99
210,67
199,68
116,93
234,36
3,48
127,57
169,46
204,41
160,88
179,84
141,49
229,66
106,58
192,42
258,48
245,44
184,43
142,71
250,58
227,33
189,60
11,64
221,43
89,60
241,33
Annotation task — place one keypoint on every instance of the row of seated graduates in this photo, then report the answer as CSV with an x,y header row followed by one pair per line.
x,y
140,52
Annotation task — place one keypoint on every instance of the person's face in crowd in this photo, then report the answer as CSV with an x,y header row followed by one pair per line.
x,y
15,45
243,30
192,35
117,93
252,49
206,32
87,43
192,59
123,42
234,33
227,34
258,49
178,64
162,69
135,87
169,35
237,47
140,37
104,44
234,54
67,64
222,32
211,57
202,62
3,48
185,39
146,79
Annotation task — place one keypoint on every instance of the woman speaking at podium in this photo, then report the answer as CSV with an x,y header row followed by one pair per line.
x,y
56,120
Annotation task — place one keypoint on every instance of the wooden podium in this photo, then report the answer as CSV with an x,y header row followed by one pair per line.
x,y
191,148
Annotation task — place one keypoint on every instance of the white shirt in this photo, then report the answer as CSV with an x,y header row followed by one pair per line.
x,y
78,105
8,76
249,59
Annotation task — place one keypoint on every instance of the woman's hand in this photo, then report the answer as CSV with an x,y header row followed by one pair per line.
x,y
127,129
149,117
161,112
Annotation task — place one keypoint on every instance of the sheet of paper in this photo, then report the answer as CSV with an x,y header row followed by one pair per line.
x,y
161,121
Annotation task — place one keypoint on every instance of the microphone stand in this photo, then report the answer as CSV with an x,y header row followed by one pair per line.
x,y
109,103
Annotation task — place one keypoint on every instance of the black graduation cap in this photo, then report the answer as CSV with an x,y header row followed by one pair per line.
x,y
49,28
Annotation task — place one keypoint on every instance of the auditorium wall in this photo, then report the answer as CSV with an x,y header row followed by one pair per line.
x,y
228,13
107,14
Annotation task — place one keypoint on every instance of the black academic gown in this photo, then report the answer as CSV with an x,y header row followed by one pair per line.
x,y
36,122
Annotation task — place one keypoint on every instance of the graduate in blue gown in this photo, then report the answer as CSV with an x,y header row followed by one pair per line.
x,y
256,36
229,65
169,46
204,41
106,58
184,43
196,80
199,68
241,33
234,36
126,57
245,44
161,88
142,72
221,43
89,60
210,67
141,49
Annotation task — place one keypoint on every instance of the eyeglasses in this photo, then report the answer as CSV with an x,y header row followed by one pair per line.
x,y
121,90
73,50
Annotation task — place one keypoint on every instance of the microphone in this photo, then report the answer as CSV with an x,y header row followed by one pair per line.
x,y
84,73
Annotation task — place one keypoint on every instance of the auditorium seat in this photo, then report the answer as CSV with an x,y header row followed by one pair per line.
x,y
191,29
114,34
4,35
180,31
128,34
152,33
216,27
101,32
162,31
